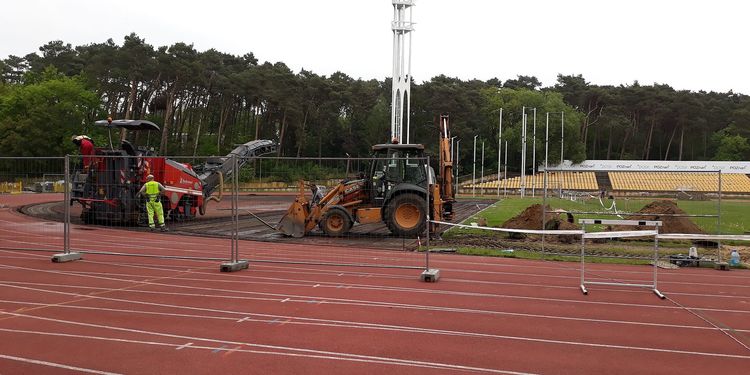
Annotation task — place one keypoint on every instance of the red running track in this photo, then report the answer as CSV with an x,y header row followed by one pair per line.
x,y
115,314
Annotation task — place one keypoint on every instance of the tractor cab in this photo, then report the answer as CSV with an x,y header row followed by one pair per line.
x,y
397,167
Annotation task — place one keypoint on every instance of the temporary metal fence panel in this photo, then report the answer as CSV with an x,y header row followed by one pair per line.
x,y
236,201
368,212
105,192
32,186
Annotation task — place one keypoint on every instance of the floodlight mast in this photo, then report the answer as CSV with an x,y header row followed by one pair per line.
x,y
402,27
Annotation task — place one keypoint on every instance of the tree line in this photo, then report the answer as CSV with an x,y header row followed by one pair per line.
x,y
206,102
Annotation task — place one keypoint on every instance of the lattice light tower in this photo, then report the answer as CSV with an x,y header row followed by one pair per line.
x,y
402,27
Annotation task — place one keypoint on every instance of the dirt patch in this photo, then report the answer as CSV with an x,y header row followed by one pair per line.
x,y
531,218
663,210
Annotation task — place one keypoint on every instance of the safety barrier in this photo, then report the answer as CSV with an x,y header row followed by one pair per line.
x,y
238,202
339,208
31,186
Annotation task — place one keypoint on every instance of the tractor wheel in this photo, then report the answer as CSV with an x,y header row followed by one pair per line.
x,y
336,222
405,215
87,217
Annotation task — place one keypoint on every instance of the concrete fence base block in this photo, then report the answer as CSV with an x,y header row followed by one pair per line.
x,y
234,266
66,257
722,266
430,275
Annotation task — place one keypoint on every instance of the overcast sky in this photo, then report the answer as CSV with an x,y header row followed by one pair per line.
x,y
694,45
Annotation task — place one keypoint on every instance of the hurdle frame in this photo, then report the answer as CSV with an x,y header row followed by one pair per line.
x,y
621,234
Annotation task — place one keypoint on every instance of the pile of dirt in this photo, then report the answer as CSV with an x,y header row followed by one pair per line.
x,y
663,210
531,218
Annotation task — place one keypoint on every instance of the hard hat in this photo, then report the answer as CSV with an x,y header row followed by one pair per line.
x,y
150,177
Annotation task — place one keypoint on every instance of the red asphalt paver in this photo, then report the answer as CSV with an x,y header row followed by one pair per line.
x,y
524,316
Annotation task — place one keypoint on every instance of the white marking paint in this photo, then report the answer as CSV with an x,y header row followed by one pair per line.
x,y
183,346
56,365
324,355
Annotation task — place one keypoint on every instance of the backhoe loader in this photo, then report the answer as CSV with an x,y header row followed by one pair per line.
x,y
399,189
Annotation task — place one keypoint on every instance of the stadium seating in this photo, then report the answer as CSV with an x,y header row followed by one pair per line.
x,y
671,181
555,180
628,182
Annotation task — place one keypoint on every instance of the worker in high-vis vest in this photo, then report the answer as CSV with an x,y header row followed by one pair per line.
x,y
152,190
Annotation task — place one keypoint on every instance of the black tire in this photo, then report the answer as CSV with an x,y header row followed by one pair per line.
x,y
87,217
406,215
336,222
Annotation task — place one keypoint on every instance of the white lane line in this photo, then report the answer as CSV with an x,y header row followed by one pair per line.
x,y
365,304
284,351
183,346
56,365
316,285
304,321
442,332
664,281
245,294
285,300
370,287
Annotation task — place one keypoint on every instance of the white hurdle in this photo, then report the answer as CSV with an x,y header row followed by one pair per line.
x,y
620,234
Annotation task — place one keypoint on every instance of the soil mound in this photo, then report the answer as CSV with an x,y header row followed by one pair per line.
x,y
531,218
662,210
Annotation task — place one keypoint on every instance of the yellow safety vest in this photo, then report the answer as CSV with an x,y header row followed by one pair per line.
x,y
152,190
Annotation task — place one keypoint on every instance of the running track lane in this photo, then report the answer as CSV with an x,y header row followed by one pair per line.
x,y
140,315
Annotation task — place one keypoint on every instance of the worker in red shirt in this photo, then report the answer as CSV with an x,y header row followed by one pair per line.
x,y
86,147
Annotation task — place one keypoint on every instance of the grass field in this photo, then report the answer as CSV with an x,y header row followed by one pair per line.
x,y
734,215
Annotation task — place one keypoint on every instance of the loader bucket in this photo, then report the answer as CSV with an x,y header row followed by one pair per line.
x,y
293,222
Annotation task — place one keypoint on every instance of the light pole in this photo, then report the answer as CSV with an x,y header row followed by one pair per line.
x,y
533,159
505,173
546,154
458,147
523,153
546,144
481,179
562,137
453,159
474,170
499,149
